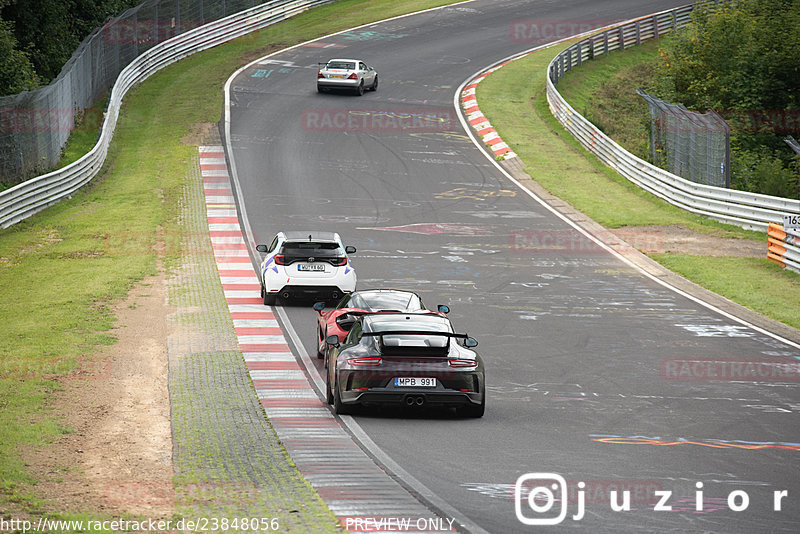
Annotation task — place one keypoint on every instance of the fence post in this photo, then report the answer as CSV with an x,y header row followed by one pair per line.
x,y
638,33
136,34
727,153
655,27
605,42
621,39
580,54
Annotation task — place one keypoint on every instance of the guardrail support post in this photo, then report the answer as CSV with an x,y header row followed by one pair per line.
x,y
580,54
621,39
655,27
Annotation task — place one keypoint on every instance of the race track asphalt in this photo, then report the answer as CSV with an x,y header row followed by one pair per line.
x,y
579,346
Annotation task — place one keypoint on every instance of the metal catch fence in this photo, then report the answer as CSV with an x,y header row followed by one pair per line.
x,y
742,208
31,196
35,125
693,145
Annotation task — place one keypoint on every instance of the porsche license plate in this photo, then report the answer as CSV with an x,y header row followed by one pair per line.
x,y
310,267
414,382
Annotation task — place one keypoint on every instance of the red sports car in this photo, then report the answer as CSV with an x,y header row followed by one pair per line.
x,y
340,319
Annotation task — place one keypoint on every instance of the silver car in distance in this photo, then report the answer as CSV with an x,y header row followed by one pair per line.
x,y
350,74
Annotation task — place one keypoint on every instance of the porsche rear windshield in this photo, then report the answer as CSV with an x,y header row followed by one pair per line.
x,y
429,324
349,65
384,301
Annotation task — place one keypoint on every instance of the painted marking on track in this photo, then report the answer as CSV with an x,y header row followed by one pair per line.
x,y
319,44
367,35
460,193
712,443
712,330
438,228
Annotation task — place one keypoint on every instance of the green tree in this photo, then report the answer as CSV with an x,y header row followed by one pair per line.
x,y
738,55
16,70
49,31
42,28
742,59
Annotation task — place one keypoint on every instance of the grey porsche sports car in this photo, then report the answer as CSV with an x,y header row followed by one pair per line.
x,y
411,359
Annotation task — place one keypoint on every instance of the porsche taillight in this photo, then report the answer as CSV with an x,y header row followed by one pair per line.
x,y
370,361
462,364
353,76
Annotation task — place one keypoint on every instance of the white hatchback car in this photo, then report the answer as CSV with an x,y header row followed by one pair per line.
x,y
351,74
306,264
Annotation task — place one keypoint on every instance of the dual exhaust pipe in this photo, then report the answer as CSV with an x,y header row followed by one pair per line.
x,y
415,400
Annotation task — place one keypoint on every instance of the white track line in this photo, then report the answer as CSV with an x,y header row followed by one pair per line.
x,y
468,128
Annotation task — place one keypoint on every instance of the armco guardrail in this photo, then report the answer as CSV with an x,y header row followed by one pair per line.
x,y
749,210
783,246
27,198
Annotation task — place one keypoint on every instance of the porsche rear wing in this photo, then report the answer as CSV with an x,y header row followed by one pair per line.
x,y
412,332
392,343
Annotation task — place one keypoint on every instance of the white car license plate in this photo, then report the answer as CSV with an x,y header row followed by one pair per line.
x,y
311,267
414,382
339,76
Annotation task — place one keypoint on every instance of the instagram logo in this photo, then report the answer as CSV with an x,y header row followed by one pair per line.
x,y
540,491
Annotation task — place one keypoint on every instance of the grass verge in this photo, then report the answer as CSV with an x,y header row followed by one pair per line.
x,y
604,91
85,134
753,282
61,269
514,100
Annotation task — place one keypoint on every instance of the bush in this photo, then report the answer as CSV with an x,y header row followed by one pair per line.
x,y
46,33
742,59
16,70
762,172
